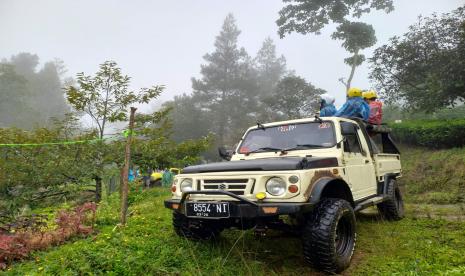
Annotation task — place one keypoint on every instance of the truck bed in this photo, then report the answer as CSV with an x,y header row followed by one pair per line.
x,y
386,163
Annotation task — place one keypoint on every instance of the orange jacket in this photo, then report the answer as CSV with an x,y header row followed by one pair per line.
x,y
376,113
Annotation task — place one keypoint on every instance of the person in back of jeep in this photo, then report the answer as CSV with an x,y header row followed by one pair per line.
x,y
376,107
355,105
327,108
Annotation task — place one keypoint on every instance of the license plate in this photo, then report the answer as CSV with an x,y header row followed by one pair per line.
x,y
208,209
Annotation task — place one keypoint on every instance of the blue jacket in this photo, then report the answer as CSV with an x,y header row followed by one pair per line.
x,y
328,110
131,176
354,107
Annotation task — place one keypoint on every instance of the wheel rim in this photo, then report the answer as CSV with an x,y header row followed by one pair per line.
x,y
344,236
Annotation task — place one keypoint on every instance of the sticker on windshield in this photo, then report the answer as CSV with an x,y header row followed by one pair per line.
x,y
324,125
286,128
244,150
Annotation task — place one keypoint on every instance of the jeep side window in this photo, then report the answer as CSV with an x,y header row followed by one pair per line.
x,y
351,141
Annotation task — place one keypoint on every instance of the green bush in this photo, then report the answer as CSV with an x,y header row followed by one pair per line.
x,y
435,134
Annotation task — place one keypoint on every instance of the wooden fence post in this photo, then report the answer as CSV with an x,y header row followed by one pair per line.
x,y
127,157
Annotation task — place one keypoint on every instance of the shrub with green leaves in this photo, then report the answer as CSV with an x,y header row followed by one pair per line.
x,y
40,174
435,134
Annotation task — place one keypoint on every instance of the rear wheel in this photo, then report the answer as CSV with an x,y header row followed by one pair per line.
x,y
329,235
195,229
393,207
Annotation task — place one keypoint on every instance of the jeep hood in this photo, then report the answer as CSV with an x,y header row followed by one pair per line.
x,y
265,164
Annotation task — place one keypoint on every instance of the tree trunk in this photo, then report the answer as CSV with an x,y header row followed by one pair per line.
x,y
98,179
121,180
222,120
98,189
352,71
127,157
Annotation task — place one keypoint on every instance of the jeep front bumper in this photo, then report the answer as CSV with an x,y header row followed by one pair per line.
x,y
243,208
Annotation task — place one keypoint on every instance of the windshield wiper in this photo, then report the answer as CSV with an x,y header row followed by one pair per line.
x,y
304,146
264,149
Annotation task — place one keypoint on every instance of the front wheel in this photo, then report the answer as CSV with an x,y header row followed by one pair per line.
x,y
329,235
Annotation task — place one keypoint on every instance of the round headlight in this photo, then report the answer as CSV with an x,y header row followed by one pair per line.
x,y
276,186
186,185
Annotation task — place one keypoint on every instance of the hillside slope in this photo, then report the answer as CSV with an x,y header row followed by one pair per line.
x,y
433,176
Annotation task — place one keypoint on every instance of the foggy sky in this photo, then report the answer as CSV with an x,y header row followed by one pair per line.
x,y
162,42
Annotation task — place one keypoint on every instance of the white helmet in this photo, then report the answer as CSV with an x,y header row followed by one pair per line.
x,y
327,98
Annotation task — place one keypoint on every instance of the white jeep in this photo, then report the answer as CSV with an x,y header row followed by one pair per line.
x,y
317,171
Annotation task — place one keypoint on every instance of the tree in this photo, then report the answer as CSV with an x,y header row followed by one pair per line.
x,y
270,70
270,67
39,97
153,145
227,89
311,16
47,93
188,120
294,98
106,98
356,36
35,175
25,64
423,69
13,93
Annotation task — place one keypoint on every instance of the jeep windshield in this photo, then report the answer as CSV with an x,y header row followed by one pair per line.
x,y
289,137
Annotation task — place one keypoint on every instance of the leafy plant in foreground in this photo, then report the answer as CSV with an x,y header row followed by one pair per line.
x,y
21,240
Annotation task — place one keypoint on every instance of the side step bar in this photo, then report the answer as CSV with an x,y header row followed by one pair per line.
x,y
369,202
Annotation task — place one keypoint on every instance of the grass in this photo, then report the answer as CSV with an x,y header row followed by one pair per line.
x,y
434,176
148,246
429,241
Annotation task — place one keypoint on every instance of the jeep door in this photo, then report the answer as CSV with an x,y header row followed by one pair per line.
x,y
358,163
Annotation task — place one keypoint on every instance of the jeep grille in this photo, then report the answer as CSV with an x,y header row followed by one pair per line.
x,y
235,186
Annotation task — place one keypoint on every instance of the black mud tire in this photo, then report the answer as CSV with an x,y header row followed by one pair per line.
x,y
393,207
329,235
196,230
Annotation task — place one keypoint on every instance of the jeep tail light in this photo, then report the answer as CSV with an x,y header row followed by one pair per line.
x,y
173,188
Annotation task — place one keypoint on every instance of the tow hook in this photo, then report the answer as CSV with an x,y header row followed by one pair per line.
x,y
260,230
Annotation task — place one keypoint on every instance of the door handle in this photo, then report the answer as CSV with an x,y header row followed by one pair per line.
x,y
367,161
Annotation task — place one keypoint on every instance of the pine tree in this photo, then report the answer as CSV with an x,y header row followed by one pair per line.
x,y
270,67
270,70
227,89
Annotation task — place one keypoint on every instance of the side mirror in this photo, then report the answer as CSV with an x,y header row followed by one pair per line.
x,y
339,144
224,153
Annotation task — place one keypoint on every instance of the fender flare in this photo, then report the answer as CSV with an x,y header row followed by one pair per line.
x,y
322,183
